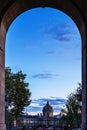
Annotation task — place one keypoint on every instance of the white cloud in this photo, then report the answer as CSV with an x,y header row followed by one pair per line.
x,y
37,105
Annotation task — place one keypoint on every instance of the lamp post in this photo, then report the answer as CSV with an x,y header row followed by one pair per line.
x,y
80,104
6,115
6,104
79,98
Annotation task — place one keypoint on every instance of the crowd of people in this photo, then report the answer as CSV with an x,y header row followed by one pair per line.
x,y
44,128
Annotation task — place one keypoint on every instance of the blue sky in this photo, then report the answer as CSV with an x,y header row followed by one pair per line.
x,y
45,44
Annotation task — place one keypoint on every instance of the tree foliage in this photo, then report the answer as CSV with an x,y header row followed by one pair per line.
x,y
73,110
17,92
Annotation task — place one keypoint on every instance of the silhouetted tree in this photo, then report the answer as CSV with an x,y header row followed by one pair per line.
x,y
73,111
17,92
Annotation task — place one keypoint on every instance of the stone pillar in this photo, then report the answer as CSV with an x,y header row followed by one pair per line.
x,y
2,80
2,93
84,85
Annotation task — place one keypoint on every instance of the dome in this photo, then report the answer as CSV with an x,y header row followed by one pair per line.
x,y
47,110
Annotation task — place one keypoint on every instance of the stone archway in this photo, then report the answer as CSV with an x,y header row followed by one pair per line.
x,y
10,12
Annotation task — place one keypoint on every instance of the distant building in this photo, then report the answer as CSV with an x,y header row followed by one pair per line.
x,y
47,110
45,119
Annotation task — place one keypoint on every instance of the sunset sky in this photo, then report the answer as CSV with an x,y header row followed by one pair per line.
x,y
46,45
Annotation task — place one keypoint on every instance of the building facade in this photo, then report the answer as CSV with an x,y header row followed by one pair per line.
x,y
47,110
46,119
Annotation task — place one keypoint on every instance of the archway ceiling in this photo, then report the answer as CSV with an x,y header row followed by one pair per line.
x,y
81,5
76,9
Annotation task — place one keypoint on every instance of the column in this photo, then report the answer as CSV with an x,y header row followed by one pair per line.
x,y
2,81
84,86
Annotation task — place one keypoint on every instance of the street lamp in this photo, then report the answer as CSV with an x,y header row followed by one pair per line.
x,y
79,98
6,104
6,114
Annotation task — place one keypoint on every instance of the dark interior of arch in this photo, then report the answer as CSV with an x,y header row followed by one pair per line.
x,y
21,6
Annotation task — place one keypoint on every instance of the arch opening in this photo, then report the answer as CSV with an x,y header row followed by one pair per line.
x,y
52,37
22,6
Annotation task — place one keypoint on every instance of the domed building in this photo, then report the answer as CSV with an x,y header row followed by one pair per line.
x,y
47,110
46,119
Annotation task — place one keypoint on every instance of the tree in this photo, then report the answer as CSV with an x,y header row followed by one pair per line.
x,y
73,112
17,92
